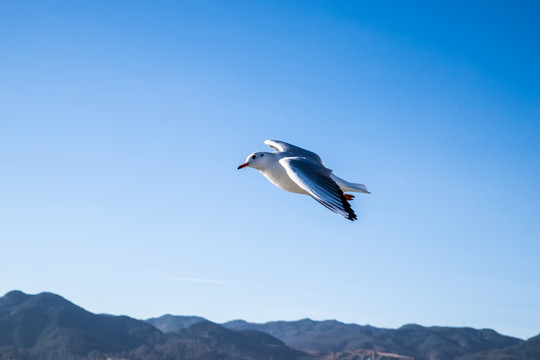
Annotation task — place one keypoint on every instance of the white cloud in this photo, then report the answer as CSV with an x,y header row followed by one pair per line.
x,y
195,280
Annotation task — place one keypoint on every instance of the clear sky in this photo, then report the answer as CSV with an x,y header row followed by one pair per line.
x,y
122,124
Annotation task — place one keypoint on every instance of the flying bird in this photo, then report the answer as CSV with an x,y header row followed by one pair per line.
x,y
300,171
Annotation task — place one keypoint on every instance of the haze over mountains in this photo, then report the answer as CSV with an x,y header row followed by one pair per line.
x,y
47,326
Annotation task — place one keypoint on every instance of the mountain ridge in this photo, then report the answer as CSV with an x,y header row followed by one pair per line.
x,y
411,340
46,322
47,326
332,336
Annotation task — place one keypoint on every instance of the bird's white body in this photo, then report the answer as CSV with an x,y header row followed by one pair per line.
x,y
300,171
278,176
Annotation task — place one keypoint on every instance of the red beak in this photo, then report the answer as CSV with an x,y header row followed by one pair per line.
x,y
243,165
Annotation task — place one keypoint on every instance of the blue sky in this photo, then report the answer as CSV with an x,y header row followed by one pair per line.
x,y
123,122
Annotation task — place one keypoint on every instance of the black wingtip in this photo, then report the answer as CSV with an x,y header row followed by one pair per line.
x,y
347,207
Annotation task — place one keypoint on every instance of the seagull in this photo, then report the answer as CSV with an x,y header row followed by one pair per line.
x,y
301,171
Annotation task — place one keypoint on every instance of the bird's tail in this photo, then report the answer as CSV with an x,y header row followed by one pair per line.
x,y
347,186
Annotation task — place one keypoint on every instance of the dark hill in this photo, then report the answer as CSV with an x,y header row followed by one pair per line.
x,y
209,341
325,336
46,323
171,323
47,326
441,343
448,342
232,344
528,350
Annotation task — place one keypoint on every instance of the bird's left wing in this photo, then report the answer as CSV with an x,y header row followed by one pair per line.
x,y
315,179
282,146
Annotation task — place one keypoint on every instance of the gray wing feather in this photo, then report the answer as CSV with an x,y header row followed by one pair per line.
x,y
316,181
294,150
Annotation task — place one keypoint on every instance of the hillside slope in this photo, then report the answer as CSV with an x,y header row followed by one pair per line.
x,y
48,327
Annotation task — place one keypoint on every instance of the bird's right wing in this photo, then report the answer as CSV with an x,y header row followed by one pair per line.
x,y
294,150
315,179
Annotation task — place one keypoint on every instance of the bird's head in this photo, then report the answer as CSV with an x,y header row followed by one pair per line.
x,y
257,160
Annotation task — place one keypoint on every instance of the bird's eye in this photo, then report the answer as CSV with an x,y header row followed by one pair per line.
x,y
254,156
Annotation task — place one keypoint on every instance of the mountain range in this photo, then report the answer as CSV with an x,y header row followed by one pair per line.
x,y
47,326
335,337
